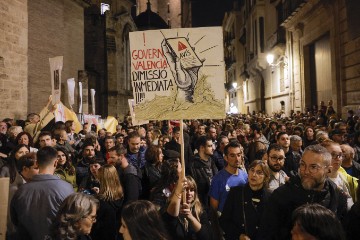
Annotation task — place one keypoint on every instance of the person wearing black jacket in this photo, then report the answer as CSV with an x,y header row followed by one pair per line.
x,y
203,168
244,205
311,186
128,174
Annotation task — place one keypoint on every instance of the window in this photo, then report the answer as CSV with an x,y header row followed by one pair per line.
x,y
261,29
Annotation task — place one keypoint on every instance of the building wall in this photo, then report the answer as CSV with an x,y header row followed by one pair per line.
x,y
13,58
315,20
119,84
60,33
161,7
292,75
349,55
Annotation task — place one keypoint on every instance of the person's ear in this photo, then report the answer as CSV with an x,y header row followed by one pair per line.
x,y
55,163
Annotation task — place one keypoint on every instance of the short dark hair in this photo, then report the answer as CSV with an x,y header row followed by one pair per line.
x,y
278,136
275,147
255,127
97,160
201,141
109,137
176,129
86,144
133,134
318,221
232,144
46,156
45,133
119,135
27,160
120,150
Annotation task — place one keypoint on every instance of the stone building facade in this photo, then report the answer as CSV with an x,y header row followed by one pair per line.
x,y
315,49
13,58
31,32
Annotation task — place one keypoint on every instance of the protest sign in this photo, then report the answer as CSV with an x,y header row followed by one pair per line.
x,y
178,73
56,65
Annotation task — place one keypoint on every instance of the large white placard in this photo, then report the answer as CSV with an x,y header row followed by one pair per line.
x,y
178,73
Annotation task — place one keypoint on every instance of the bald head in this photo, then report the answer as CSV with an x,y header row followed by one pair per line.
x,y
348,152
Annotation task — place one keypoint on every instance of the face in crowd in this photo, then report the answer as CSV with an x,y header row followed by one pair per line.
x,y
134,144
89,151
46,141
234,157
208,148
276,160
284,141
313,171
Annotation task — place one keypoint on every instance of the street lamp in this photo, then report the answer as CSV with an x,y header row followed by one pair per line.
x,y
234,84
270,60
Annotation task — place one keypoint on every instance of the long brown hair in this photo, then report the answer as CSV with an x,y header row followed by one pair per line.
x,y
110,187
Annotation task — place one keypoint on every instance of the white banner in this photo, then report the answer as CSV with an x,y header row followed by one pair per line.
x,y
60,113
80,95
92,92
56,65
71,91
178,73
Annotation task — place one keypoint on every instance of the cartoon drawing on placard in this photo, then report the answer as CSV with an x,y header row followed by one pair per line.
x,y
178,73
184,64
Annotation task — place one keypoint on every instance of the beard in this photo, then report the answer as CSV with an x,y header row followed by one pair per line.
x,y
310,183
275,167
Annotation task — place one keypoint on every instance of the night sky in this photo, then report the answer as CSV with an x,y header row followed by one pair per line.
x,y
209,12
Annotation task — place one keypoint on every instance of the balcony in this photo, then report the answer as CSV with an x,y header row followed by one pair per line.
x,y
291,7
278,38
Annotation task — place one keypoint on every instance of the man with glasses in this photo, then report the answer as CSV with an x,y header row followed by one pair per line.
x,y
338,175
311,186
276,160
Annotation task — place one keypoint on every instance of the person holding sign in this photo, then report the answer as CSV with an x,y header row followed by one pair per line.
x,y
36,122
186,219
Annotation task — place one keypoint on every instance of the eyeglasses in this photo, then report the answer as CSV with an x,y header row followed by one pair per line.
x,y
276,158
337,155
258,172
91,218
313,168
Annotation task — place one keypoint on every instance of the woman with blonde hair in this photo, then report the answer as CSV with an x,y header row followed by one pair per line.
x,y
111,199
187,219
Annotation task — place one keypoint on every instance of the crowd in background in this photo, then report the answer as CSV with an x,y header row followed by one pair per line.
x,y
249,176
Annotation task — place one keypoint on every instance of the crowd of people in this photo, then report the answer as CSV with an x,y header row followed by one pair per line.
x,y
249,176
